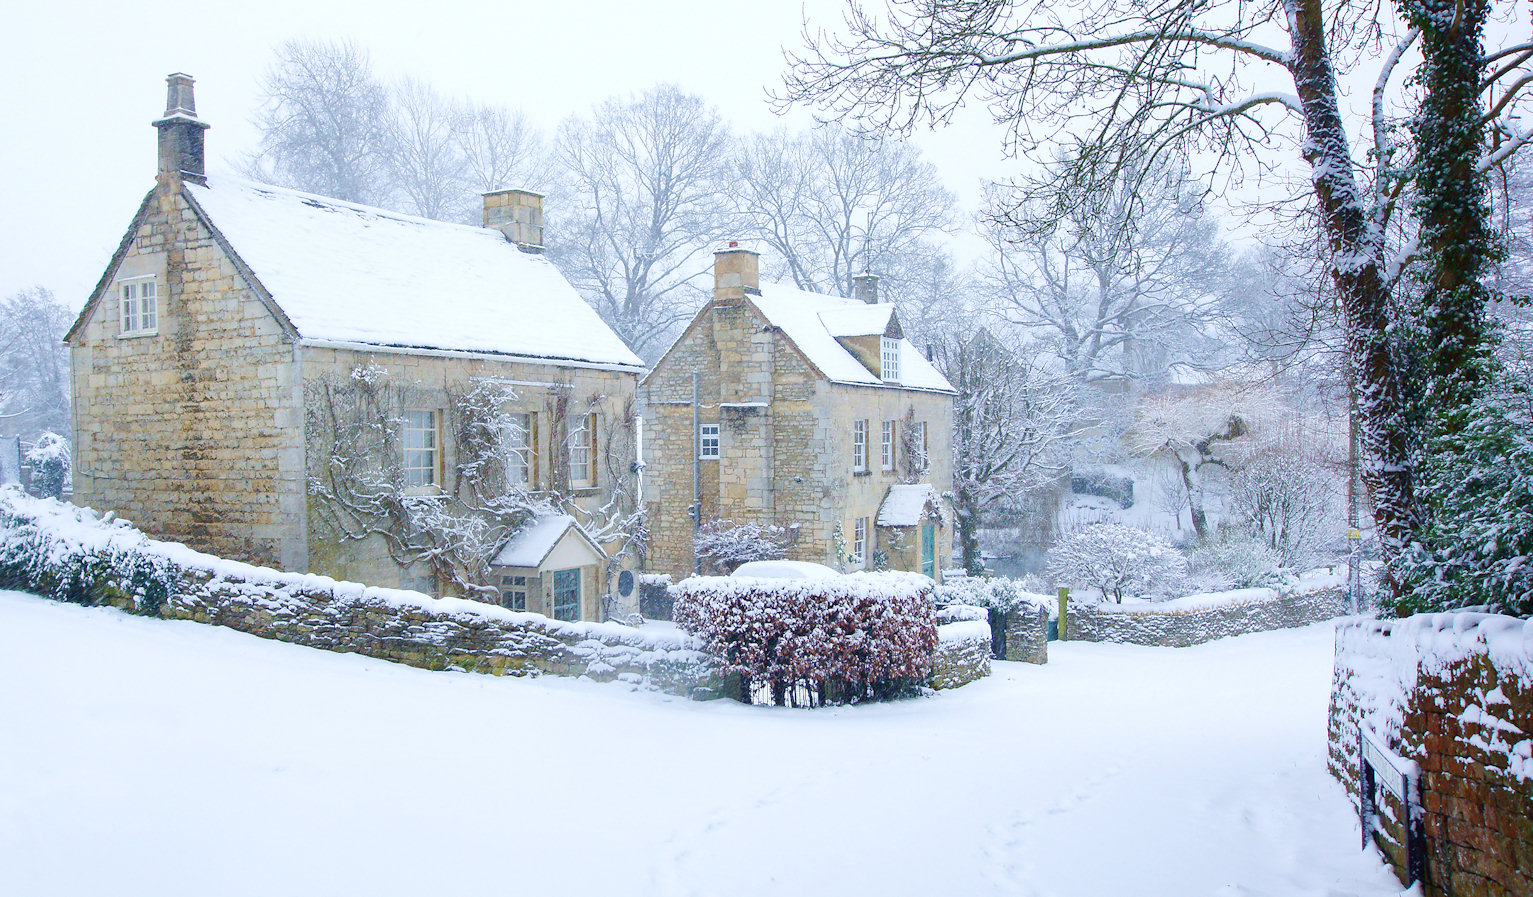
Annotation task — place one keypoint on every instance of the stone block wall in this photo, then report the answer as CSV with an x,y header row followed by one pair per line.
x,y
1027,634
962,655
1454,694
1184,628
194,430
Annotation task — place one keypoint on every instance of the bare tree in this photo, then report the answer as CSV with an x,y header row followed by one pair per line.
x,y
1010,421
833,205
639,206
425,155
34,365
501,150
1119,286
324,123
1147,82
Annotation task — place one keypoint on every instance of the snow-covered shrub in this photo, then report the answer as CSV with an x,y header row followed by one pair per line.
x,y
1234,559
1117,560
85,565
999,594
49,459
831,640
1104,484
1285,491
723,545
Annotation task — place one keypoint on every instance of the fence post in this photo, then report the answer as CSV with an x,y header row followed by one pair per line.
x,y
1064,608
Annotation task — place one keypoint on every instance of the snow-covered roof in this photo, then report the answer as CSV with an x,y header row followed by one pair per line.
x,y
533,542
802,317
349,273
905,505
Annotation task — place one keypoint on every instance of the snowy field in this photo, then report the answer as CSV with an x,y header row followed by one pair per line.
x,y
141,757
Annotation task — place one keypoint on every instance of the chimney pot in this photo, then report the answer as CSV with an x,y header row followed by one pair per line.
x,y
865,288
519,215
181,151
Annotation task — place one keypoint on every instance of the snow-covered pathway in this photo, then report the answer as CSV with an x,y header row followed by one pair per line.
x,y
146,757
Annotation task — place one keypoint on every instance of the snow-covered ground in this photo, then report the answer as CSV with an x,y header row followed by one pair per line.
x,y
146,757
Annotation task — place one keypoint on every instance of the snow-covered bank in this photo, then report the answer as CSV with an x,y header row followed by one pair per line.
x,y
145,757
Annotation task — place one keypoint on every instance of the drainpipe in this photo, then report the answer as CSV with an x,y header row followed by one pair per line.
x,y
697,488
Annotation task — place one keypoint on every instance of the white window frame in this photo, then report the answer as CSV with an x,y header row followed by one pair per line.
x,y
860,543
582,453
709,448
860,445
889,359
923,463
418,476
138,306
519,444
887,445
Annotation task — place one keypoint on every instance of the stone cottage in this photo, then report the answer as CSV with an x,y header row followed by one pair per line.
x,y
320,386
810,413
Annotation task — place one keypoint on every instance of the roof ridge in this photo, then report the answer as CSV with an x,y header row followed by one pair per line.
x,y
234,181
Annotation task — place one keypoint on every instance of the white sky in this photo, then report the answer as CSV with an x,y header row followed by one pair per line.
x,y
81,82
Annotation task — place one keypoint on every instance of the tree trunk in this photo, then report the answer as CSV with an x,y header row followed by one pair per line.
x,y
1357,253
1193,481
968,532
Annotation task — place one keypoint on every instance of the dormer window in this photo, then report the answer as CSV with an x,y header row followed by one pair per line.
x,y
891,359
138,302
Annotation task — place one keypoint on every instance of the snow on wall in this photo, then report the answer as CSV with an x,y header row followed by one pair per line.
x,y
70,553
1454,694
962,655
1166,624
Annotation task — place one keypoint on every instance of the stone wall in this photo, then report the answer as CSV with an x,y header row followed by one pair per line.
x,y
1453,693
193,430
1183,628
963,654
68,553
1027,634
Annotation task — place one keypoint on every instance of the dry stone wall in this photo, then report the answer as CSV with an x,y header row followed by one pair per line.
x,y
1184,628
962,655
1454,694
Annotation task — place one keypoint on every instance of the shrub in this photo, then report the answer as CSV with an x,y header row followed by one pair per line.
x,y
1101,483
1237,560
1118,560
833,640
998,594
723,545
49,459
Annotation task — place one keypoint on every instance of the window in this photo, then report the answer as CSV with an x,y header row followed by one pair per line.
x,y
583,452
421,446
860,446
513,592
888,445
708,442
520,446
139,301
922,458
567,594
890,351
860,542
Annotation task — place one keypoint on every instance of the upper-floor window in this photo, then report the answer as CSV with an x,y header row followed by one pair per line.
x,y
887,445
583,452
918,443
519,443
891,358
859,445
708,442
138,301
422,448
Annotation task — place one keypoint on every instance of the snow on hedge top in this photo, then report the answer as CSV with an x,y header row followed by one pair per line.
x,y
351,273
784,570
802,316
905,505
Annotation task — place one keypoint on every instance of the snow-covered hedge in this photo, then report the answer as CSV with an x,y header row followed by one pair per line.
x,y
997,593
831,640
73,554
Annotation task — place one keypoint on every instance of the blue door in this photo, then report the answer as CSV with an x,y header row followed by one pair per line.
x,y
567,594
929,550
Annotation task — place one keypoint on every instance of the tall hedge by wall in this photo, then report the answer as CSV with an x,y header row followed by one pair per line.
x,y
1454,693
70,554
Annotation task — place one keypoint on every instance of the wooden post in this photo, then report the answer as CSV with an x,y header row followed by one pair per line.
x,y
1064,609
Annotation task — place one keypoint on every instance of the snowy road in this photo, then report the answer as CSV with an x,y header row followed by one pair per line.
x,y
142,757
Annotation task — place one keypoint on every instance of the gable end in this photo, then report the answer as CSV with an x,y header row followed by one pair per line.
x,y
71,336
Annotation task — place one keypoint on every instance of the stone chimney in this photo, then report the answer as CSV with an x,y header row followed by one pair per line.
x,y
865,288
519,215
181,154
736,272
